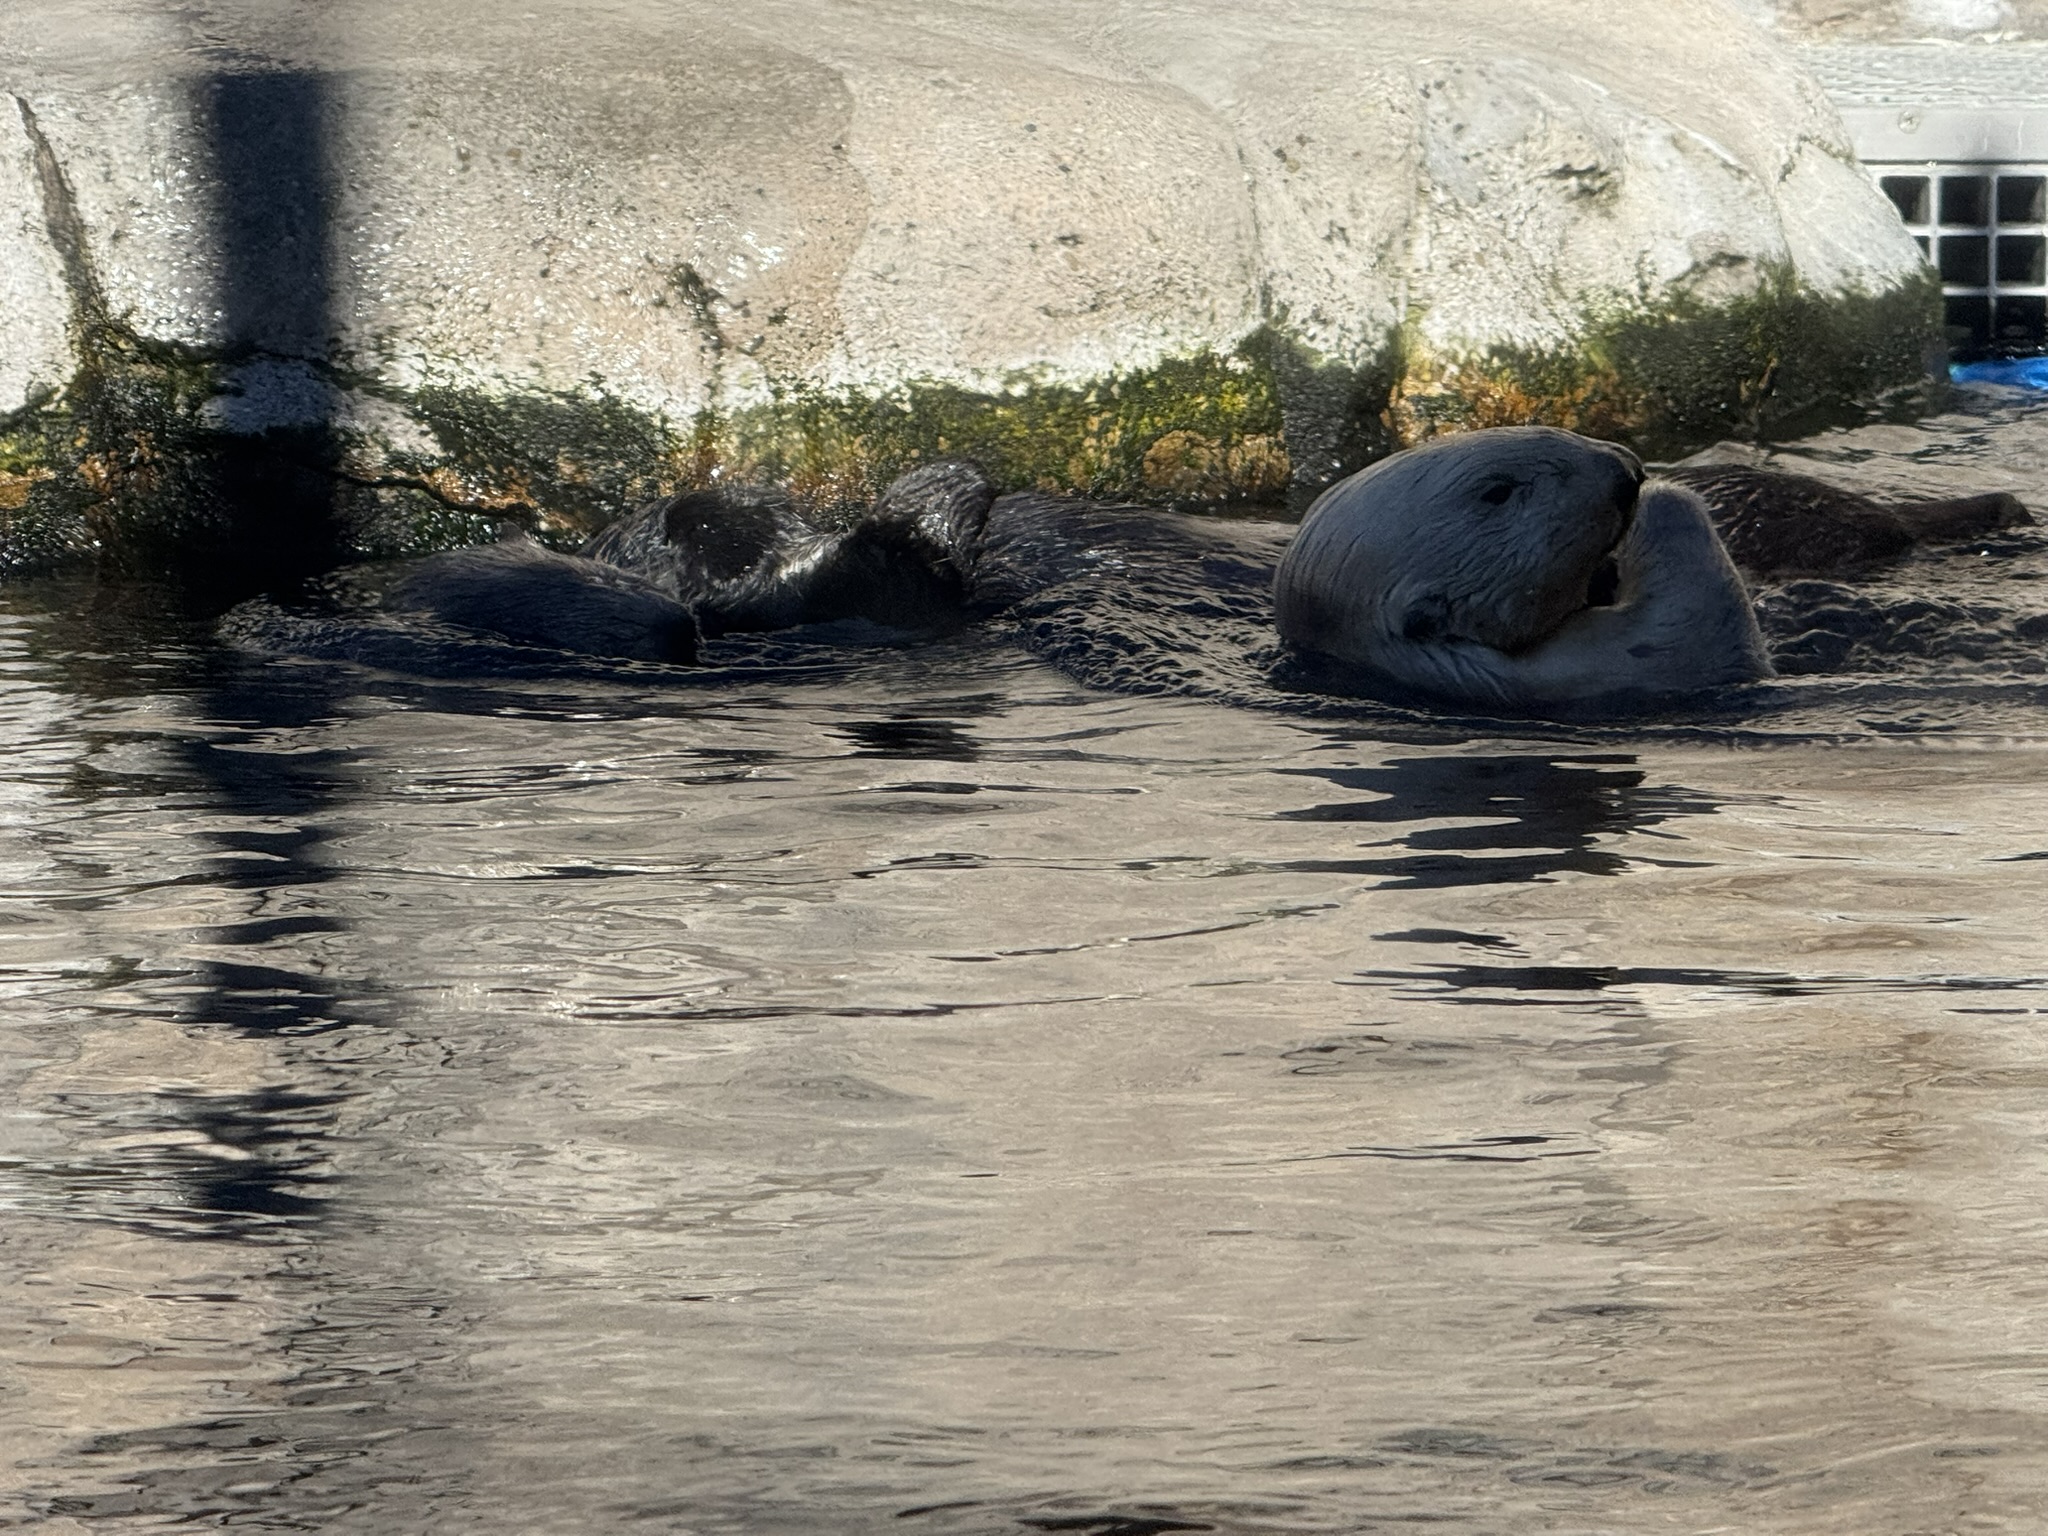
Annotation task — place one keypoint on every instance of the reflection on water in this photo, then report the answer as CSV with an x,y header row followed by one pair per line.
x,y
1454,979
908,1093
1464,811
917,737
899,1090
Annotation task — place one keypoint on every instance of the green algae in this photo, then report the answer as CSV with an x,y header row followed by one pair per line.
x,y
1211,430
124,469
1208,428
39,531
1669,377
126,465
559,464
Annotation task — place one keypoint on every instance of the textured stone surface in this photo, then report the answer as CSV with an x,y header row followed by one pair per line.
x,y
1900,21
34,346
687,207
1973,76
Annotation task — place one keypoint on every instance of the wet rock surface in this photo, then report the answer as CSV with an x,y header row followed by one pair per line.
x,y
1879,592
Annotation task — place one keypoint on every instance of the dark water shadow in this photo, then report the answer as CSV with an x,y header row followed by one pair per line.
x,y
1550,986
1540,816
251,1170
247,1165
913,738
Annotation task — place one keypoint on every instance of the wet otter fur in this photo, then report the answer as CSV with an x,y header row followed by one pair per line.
x,y
1780,525
524,592
1519,567
1524,567
725,560
742,559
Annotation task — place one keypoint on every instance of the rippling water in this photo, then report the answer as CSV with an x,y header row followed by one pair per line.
x,y
905,1090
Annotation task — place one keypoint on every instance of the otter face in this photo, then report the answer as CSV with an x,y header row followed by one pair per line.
x,y
1493,537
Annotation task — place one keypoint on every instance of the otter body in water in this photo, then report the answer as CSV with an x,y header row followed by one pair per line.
x,y
1778,525
533,595
1522,567
1517,568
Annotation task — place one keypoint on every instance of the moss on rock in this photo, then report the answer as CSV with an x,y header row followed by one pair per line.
x,y
562,465
1667,378
1219,417
128,466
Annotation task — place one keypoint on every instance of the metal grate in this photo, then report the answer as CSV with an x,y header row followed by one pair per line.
x,y
1985,229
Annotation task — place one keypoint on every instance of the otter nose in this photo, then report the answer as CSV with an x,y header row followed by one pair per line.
x,y
1623,474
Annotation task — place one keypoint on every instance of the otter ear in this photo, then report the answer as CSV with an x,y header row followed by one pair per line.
x,y
1425,618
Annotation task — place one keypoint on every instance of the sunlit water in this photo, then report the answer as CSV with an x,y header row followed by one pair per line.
x,y
859,1090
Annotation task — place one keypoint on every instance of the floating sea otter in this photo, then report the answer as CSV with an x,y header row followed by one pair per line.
x,y
1522,567
718,562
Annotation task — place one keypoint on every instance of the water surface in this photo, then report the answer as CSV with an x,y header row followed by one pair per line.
x,y
907,1090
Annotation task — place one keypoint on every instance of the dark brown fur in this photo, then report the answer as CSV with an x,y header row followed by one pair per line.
x,y
535,596
1777,525
740,557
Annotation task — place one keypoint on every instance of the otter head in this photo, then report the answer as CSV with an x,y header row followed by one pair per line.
x,y
1493,537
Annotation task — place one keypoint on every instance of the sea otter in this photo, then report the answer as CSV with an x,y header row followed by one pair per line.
x,y
524,592
1518,568
1521,567
1777,525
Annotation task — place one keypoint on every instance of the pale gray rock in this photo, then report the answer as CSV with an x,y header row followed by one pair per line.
x,y
695,205
1900,21
35,347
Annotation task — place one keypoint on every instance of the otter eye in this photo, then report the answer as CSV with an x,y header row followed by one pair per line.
x,y
1497,493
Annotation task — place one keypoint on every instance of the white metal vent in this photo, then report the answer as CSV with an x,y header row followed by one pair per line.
x,y
1985,229
1957,134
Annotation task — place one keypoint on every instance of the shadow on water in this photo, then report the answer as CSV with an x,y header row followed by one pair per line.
x,y
920,735
1558,807
267,132
1551,986
249,1167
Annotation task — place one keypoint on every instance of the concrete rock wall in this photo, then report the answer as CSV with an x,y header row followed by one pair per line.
x,y
758,227
1900,21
